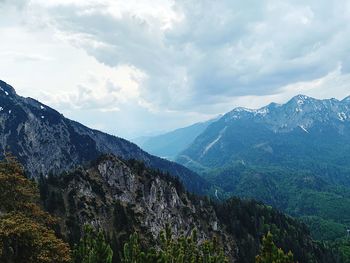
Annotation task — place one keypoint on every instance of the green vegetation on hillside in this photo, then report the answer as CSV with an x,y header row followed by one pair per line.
x,y
26,231
92,248
324,207
176,250
248,221
25,226
269,253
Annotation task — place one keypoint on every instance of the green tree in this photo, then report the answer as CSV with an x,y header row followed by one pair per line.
x,y
26,233
92,248
269,253
175,250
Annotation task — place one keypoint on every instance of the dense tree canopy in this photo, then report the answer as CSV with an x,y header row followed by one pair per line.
x,y
177,250
92,248
269,253
26,233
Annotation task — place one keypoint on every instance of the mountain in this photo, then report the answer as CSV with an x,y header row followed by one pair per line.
x,y
170,144
86,176
273,133
121,197
294,156
46,142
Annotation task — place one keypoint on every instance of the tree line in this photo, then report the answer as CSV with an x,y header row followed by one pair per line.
x,y
29,234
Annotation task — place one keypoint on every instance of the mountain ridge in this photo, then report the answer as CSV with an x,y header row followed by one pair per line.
x,y
301,112
45,141
294,156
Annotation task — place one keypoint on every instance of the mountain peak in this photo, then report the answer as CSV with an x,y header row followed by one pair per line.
x,y
6,89
301,98
46,142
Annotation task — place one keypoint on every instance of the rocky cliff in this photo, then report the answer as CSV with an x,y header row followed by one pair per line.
x,y
122,197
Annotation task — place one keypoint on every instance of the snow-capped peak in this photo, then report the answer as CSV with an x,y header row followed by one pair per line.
x,y
300,99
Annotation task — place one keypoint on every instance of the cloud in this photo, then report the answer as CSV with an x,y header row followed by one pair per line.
x,y
105,90
23,57
184,58
15,3
207,51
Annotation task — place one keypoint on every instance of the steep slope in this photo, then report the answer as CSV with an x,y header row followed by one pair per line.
x,y
295,157
170,144
124,196
275,133
45,141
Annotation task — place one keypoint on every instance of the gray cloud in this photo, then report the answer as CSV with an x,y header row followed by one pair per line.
x,y
211,56
218,49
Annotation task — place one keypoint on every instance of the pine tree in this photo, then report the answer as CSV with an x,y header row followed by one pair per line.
x,y
175,250
92,248
271,254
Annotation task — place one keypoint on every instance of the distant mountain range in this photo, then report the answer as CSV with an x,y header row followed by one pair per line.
x,y
169,145
275,134
294,156
47,142
86,176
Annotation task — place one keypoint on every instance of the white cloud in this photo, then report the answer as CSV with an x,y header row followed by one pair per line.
x,y
213,48
104,89
173,59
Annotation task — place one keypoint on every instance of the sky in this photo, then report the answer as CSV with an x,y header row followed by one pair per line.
x,y
142,67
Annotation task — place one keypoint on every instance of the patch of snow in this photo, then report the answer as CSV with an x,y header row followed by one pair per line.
x,y
4,91
235,117
42,117
303,128
249,110
1,108
342,116
42,107
240,109
216,194
10,111
300,102
262,111
210,145
303,97
298,110
207,148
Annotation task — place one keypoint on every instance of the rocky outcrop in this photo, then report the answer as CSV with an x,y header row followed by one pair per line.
x,y
122,197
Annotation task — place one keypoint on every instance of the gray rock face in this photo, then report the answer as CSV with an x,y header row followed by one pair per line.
x,y
97,195
155,199
45,141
